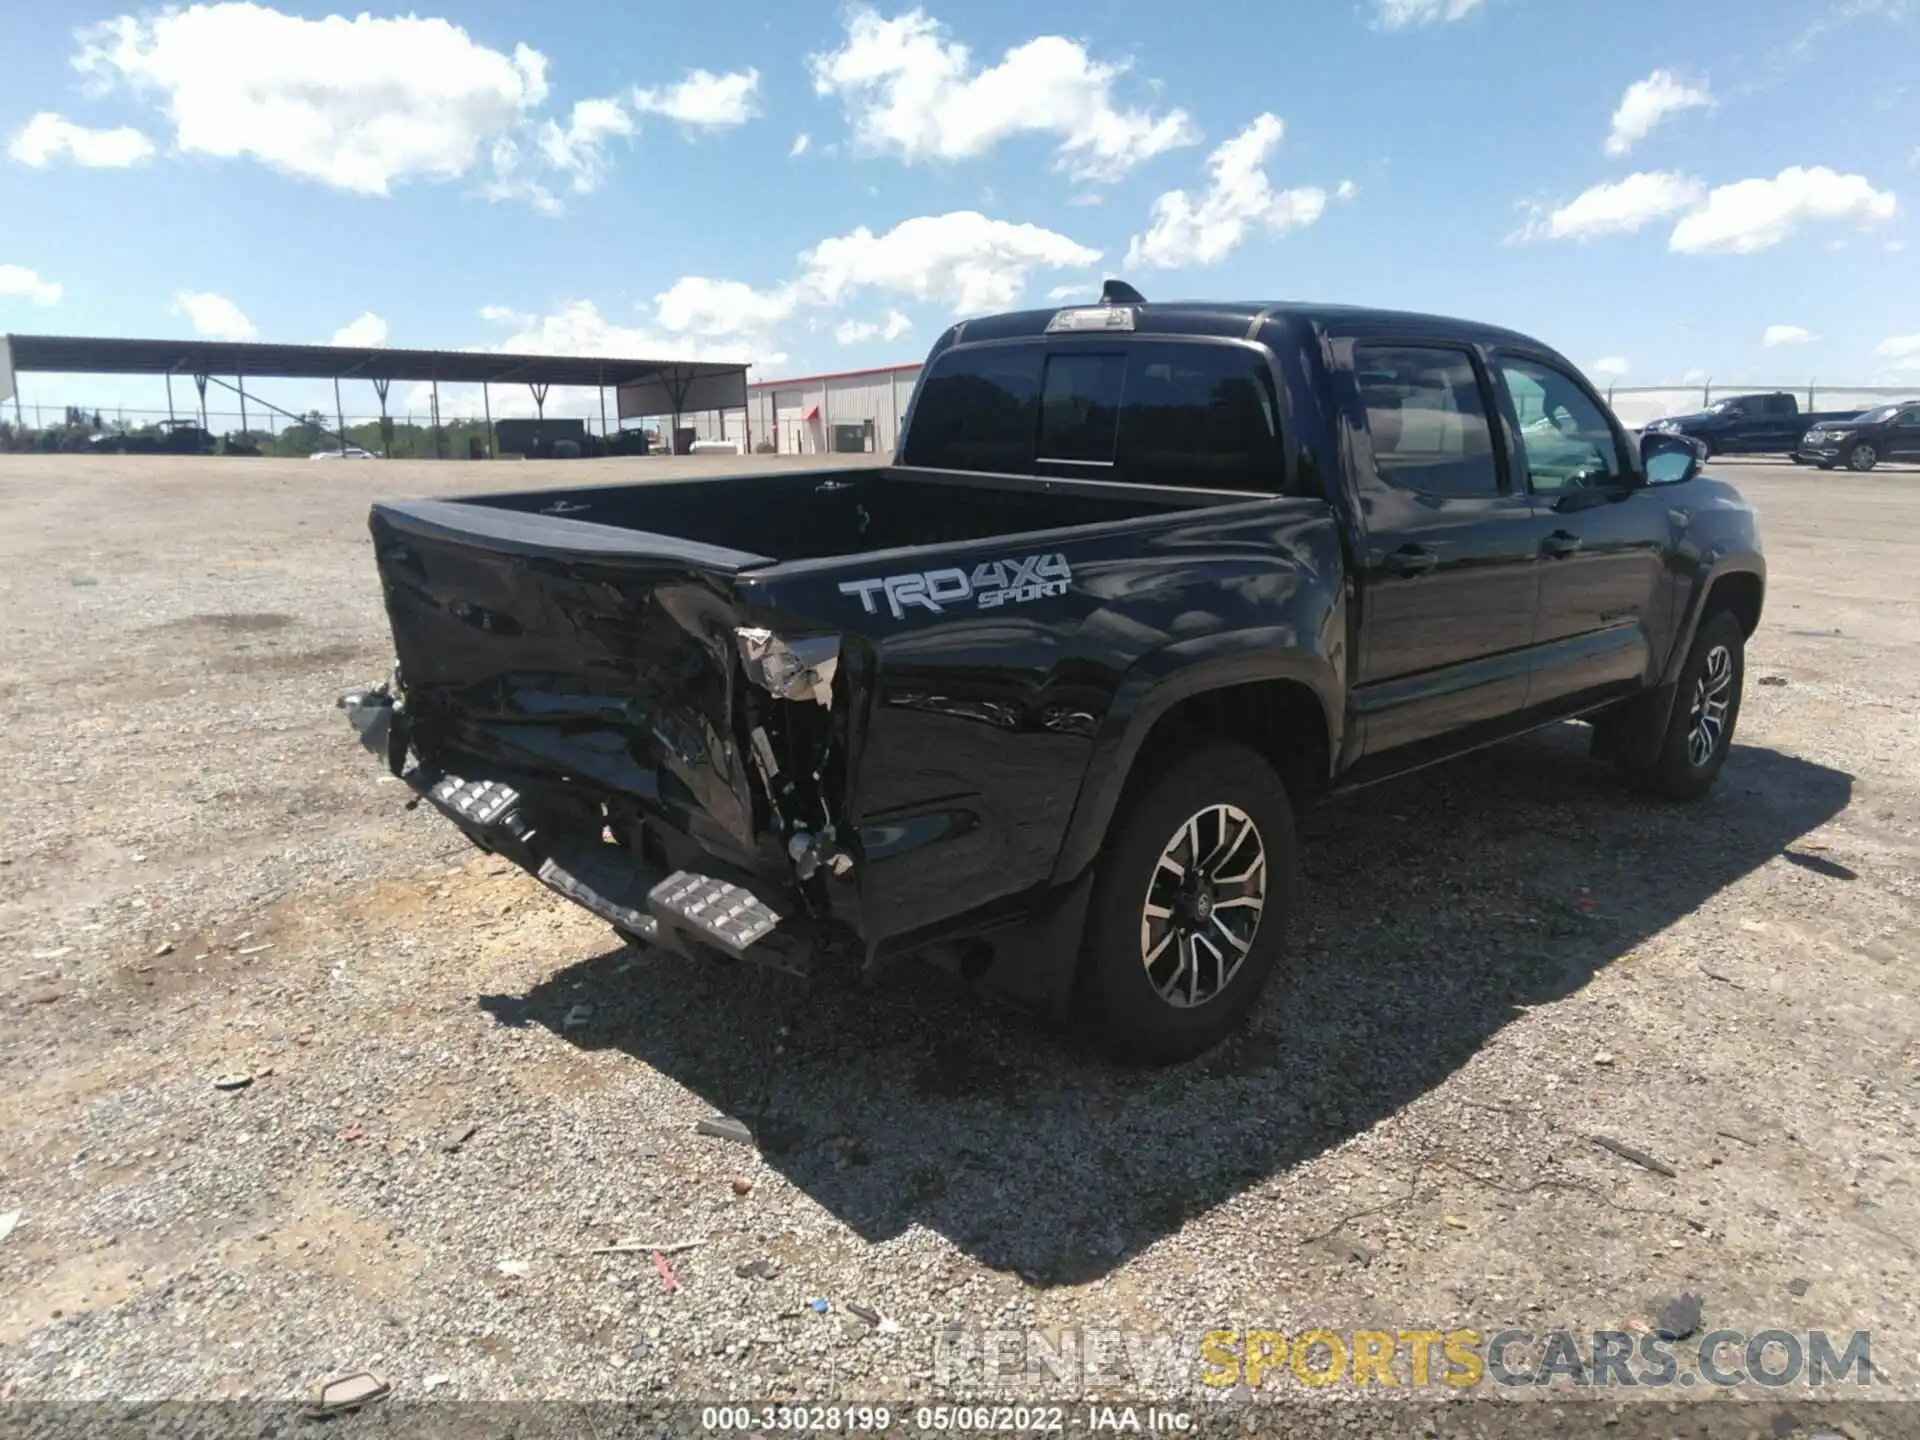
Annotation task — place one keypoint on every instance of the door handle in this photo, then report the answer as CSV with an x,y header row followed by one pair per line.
x,y
1679,517
1411,560
1560,544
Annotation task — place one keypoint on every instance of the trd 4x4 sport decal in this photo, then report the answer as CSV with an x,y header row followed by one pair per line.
x,y
990,584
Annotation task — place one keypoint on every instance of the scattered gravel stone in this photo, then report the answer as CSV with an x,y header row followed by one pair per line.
x,y
1679,1318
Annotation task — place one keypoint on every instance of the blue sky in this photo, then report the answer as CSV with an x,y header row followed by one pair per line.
x,y
1659,189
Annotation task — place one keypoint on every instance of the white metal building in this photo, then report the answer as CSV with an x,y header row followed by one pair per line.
x,y
850,410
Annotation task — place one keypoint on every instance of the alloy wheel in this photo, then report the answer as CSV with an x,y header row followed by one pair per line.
x,y
1203,905
1712,695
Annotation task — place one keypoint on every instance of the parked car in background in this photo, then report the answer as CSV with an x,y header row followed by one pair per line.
x,y
351,452
1860,442
169,437
1770,424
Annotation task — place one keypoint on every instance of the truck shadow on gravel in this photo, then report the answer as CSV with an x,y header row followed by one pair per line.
x,y
1433,909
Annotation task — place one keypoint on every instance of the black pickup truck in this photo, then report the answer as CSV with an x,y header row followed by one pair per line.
x,y
1769,424
1040,699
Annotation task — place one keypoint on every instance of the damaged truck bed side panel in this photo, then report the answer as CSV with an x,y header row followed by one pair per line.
x,y
977,725
548,653
786,719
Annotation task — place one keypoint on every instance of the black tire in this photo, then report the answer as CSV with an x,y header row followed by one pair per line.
x,y
1684,767
1862,458
1120,989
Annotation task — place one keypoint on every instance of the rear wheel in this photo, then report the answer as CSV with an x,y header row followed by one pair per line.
x,y
1190,905
1862,457
1706,708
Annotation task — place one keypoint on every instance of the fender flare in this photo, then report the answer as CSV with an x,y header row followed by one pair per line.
x,y
1162,679
1649,713
1715,566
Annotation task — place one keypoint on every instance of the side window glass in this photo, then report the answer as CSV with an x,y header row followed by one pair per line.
x,y
1079,408
1200,416
1565,439
1426,419
976,411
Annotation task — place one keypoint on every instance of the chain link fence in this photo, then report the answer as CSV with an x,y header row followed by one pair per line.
x,y
402,434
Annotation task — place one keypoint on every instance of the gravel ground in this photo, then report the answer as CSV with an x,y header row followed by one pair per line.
x,y
461,1085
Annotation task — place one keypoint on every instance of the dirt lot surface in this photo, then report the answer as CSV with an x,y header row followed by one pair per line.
x,y
461,1085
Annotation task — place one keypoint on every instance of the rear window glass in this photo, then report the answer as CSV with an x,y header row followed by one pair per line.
x,y
1154,413
1079,407
976,411
1201,416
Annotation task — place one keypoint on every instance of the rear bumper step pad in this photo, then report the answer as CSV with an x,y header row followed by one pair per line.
x,y
668,910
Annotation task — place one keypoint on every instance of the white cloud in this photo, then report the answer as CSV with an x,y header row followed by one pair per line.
x,y
357,104
704,100
1186,231
853,332
1087,197
695,305
1079,290
1647,102
580,147
213,317
18,280
802,143
1615,208
1612,365
48,137
911,91
1775,335
578,328
1903,350
962,258
510,180
1758,214
1399,14
1346,190
367,330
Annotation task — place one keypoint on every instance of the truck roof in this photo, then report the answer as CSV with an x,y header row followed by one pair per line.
x,y
1237,317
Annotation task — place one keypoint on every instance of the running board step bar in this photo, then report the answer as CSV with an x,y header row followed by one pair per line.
x,y
684,911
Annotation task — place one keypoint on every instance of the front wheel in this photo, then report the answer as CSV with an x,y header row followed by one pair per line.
x,y
1706,707
1190,904
1862,458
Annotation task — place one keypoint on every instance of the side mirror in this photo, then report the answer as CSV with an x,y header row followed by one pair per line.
x,y
1670,459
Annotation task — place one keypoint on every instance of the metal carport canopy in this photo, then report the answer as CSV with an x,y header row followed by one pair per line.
x,y
714,384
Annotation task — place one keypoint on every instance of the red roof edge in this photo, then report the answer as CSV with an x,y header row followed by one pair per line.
x,y
792,380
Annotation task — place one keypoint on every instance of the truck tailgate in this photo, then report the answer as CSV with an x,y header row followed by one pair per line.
x,y
538,643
